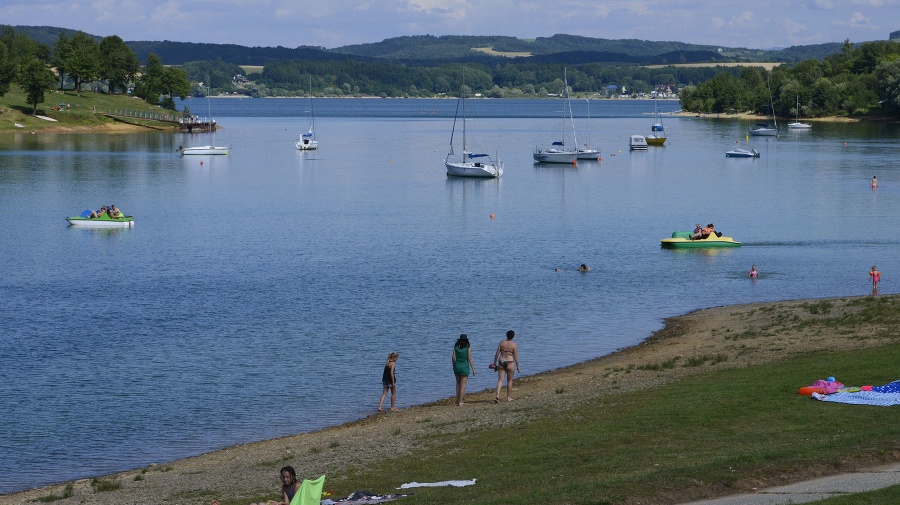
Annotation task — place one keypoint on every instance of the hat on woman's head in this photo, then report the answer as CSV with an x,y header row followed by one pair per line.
x,y
463,337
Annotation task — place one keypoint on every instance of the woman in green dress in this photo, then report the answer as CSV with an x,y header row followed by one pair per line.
x,y
462,367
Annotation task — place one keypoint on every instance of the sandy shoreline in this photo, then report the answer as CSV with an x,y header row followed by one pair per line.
x,y
246,471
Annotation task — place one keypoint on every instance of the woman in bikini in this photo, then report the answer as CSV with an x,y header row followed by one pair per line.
x,y
506,356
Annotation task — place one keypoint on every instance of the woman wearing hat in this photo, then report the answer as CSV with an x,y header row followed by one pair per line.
x,y
462,367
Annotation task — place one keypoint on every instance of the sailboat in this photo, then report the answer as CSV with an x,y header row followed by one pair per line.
x,y
558,152
308,140
797,125
208,149
657,137
587,152
465,166
764,129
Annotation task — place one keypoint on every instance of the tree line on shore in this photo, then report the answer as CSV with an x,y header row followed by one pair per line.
x,y
859,79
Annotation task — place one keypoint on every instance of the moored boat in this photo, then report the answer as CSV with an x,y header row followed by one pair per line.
x,y
682,240
742,153
637,143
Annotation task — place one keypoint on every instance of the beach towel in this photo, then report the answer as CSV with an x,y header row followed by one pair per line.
x,y
880,396
455,483
310,492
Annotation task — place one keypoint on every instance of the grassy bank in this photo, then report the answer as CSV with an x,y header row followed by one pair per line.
x,y
79,115
707,406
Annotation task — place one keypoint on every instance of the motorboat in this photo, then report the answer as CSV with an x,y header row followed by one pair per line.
x,y
637,143
742,153
682,240
104,221
187,151
466,166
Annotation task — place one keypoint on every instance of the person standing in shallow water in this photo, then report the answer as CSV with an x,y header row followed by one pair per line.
x,y
462,367
506,357
389,381
876,277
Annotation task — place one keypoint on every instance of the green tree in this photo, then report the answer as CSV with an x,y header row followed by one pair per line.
x,y
83,63
62,50
150,83
7,70
887,77
35,79
174,83
118,63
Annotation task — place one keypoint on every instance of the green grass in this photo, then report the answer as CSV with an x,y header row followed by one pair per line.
x,y
711,434
13,109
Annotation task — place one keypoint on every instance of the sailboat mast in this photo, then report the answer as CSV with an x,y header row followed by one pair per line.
x,y
462,94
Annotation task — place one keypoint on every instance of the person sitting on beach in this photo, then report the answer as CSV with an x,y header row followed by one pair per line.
x,y
97,213
289,488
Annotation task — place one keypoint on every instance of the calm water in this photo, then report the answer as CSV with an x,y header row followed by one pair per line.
x,y
259,294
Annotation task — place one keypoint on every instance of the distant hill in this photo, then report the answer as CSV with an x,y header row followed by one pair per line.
x,y
429,50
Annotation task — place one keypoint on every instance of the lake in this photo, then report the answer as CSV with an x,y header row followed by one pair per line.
x,y
259,294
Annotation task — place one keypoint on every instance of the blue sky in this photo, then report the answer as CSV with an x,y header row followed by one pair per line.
x,y
332,23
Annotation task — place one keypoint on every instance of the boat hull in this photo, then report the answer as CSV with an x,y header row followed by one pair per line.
x,y
637,143
206,150
307,144
763,132
469,169
587,153
550,156
742,153
799,126
682,240
655,140
101,222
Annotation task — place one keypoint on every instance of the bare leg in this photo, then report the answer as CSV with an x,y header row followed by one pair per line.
x,y
461,395
383,395
393,397
509,383
501,375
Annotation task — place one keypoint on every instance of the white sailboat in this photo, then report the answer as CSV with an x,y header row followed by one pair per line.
x,y
465,166
765,129
558,152
587,152
797,125
207,149
308,140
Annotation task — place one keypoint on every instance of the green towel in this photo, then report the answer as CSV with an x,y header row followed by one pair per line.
x,y
310,492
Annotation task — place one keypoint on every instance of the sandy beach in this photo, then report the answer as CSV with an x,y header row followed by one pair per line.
x,y
248,470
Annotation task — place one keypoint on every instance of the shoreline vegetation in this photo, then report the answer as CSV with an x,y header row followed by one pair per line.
x,y
706,406
81,118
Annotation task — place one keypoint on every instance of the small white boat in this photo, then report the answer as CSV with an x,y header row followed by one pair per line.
x,y
588,153
797,125
637,143
188,151
555,154
742,153
465,167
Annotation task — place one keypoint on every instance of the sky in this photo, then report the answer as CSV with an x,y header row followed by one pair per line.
x,y
759,24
